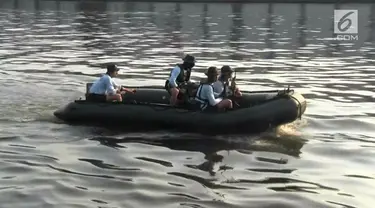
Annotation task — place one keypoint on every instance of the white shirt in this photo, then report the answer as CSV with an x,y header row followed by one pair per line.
x,y
104,85
206,96
219,88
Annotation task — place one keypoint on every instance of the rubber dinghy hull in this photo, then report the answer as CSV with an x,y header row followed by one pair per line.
x,y
148,108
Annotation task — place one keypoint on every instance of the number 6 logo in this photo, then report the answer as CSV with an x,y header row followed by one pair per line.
x,y
346,21
343,20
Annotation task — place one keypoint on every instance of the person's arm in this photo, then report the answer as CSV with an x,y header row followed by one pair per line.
x,y
128,90
116,86
175,72
108,85
210,95
238,92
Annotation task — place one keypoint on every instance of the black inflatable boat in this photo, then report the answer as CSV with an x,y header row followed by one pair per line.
x,y
148,108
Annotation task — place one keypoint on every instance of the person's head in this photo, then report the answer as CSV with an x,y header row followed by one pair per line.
x,y
226,72
189,62
112,70
212,74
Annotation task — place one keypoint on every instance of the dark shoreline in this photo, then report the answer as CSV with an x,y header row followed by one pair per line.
x,y
235,1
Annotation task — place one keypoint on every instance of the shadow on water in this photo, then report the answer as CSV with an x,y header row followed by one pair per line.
x,y
371,37
371,25
333,46
236,32
174,27
205,29
129,8
302,26
152,17
270,32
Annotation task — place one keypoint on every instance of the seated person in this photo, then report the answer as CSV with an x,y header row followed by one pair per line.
x,y
205,94
221,86
179,75
105,88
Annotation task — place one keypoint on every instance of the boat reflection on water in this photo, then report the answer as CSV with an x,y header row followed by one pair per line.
x,y
212,147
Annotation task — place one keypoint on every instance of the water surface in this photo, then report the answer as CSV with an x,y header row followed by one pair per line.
x,y
50,49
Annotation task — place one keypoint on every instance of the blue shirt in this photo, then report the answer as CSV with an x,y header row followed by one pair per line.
x,y
104,85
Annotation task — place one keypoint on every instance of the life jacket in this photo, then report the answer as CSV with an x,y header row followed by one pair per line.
x,y
181,78
198,97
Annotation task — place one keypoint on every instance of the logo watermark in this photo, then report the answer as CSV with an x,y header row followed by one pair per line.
x,y
345,24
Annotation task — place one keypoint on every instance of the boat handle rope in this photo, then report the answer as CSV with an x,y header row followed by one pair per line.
x,y
161,107
286,92
298,102
299,107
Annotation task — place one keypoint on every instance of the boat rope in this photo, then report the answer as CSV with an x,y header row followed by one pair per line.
x,y
163,107
287,94
299,107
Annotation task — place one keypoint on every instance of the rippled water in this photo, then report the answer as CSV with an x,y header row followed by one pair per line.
x,y
50,49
